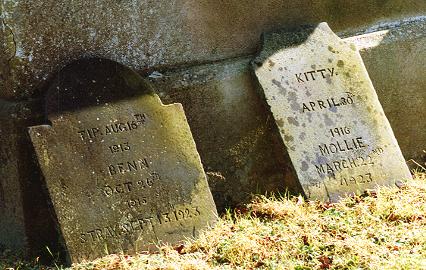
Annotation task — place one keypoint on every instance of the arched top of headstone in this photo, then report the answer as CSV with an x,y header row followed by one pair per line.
x,y
91,82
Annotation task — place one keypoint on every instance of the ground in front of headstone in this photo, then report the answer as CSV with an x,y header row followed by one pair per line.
x,y
377,231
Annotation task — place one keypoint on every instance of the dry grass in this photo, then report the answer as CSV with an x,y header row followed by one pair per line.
x,y
385,230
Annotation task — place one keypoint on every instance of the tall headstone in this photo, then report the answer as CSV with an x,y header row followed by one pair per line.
x,y
121,168
328,113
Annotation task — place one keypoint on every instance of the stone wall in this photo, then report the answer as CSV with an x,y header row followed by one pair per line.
x,y
239,147
395,58
38,37
26,224
198,53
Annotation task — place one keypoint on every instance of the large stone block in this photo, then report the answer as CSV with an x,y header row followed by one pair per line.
x,y
225,112
26,225
395,58
233,130
39,37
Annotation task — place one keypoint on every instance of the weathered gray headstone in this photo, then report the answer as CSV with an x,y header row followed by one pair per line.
x,y
122,169
328,113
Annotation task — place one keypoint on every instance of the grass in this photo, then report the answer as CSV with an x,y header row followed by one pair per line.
x,y
384,230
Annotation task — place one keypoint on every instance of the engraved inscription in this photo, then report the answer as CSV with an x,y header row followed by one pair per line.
x,y
328,103
330,168
127,169
312,75
95,132
140,224
129,186
357,179
342,146
339,131
121,147
128,166
117,230
134,203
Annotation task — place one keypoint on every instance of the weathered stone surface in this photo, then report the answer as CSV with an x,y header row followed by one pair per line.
x,y
26,226
395,58
121,168
37,38
233,130
35,42
328,113
169,36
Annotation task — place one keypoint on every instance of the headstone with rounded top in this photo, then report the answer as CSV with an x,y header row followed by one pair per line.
x,y
121,168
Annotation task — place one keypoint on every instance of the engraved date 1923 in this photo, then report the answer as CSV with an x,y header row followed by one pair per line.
x,y
356,179
178,215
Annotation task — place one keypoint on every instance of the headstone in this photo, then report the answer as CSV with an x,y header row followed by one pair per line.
x,y
121,168
328,113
